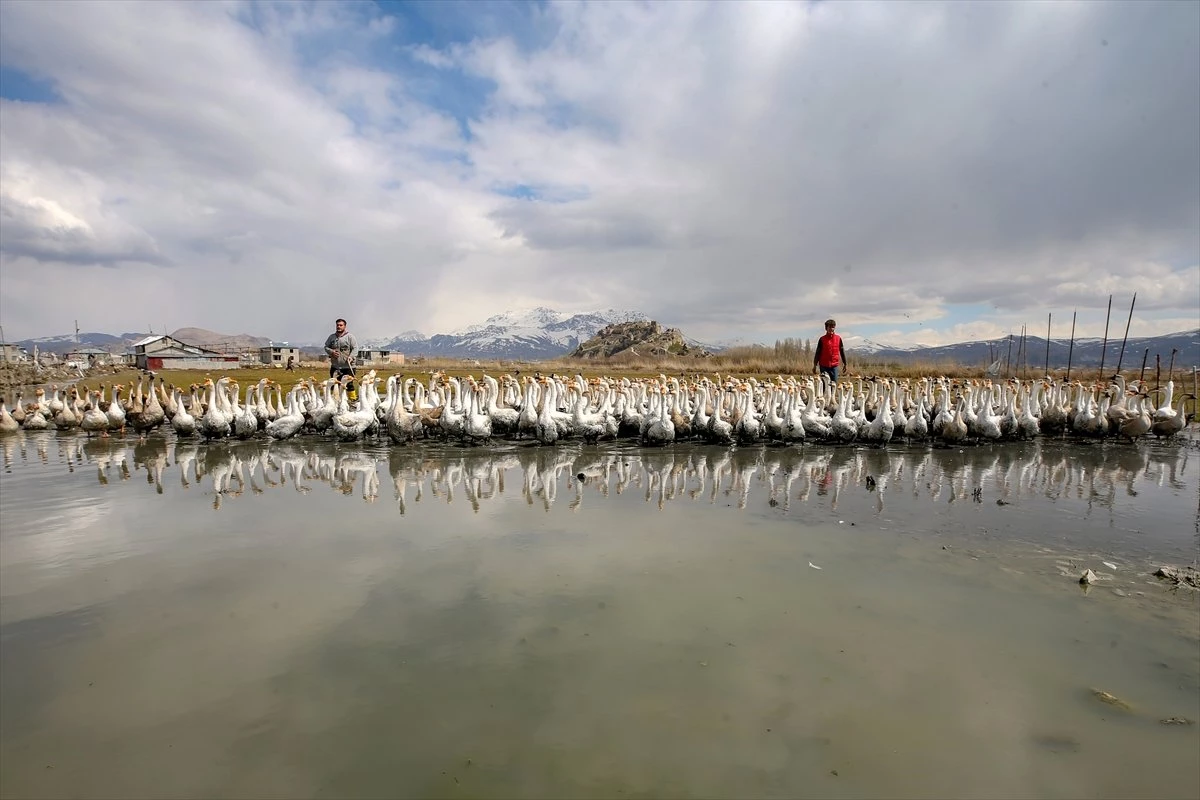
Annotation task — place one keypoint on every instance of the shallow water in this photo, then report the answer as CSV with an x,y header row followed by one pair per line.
x,y
233,620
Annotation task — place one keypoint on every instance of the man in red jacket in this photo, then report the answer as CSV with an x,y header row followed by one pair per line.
x,y
831,353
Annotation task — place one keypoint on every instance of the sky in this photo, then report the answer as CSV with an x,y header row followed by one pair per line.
x,y
924,172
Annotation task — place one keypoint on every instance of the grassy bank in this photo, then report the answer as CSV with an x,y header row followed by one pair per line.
x,y
755,364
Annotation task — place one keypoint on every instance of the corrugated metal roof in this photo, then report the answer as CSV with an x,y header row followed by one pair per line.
x,y
149,339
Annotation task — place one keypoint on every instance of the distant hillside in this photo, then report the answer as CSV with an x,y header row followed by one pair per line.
x,y
120,343
65,343
638,339
1086,352
543,333
212,339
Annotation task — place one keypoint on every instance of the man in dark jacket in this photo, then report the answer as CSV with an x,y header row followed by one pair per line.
x,y
830,356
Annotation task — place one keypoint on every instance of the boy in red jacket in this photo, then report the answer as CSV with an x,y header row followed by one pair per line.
x,y
831,353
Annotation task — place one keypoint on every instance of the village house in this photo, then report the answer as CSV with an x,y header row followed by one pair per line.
x,y
277,355
167,352
87,356
378,358
12,353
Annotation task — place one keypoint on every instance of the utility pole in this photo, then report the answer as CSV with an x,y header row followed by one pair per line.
x,y
76,331
1121,357
1048,316
1071,352
1104,347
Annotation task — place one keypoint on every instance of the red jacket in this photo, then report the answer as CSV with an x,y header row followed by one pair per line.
x,y
830,352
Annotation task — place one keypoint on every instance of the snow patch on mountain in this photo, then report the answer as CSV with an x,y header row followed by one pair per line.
x,y
532,333
863,345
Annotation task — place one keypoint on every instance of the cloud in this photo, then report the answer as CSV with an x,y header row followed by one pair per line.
x,y
734,170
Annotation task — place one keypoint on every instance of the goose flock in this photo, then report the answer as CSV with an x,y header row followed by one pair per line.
x,y
653,411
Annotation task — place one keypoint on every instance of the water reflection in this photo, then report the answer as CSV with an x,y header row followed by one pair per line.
x,y
1100,476
543,614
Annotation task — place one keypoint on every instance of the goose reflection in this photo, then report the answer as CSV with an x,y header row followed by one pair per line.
x,y
12,446
1096,477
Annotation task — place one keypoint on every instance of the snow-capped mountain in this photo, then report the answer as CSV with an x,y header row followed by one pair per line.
x,y
1087,352
862,345
66,342
525,334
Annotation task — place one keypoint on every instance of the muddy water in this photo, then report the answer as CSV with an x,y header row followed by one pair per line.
x,y
309,619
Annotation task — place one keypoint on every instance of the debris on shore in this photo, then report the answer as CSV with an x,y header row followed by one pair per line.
x,y
1111,699
19,375
1185,576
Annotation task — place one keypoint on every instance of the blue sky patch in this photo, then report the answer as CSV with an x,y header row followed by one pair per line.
x,y
16,84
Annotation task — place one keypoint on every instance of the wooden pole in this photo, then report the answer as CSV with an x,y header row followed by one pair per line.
x,y
1104,348
1145,355
1025,351
1027,335
1020,352
1007,360
1157,371
1171,368
1048,344
1121,357
1071,351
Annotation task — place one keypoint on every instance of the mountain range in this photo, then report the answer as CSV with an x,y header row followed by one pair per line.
x,y
531,334
1008,350
541,333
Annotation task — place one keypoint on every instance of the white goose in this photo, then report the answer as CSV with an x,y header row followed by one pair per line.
x,y
793,420
504,418
987,422
116,411
18,410
217,417
477,424
917,427
401,424
843,428
8,424
880,429
184,423
661,430
350,425
585,425
1166,425
288,424
245,422
94,420
545,429
35,420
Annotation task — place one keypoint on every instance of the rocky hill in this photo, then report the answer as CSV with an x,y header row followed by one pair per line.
x,y
640,339
222,341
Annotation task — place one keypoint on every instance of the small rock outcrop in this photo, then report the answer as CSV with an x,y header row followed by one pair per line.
x,y
640,339
1180,576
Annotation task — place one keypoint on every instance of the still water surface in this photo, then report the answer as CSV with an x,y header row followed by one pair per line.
x,y
233,620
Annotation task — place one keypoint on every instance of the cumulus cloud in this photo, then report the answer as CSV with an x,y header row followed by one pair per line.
x,y
738,170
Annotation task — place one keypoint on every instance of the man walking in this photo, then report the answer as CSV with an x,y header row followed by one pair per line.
x,y
831,354
342,349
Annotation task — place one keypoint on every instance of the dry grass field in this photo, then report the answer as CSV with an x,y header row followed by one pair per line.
x,y
757,366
